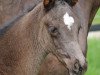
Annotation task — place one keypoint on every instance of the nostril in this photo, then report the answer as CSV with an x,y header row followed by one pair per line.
x,y
80,69
76,65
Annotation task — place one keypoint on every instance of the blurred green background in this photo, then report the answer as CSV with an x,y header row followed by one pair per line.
x,y
93,55
97,18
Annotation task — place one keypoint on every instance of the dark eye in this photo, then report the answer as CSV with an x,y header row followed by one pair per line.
x,y
53,31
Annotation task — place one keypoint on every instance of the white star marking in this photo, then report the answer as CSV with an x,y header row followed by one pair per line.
x,y
68,20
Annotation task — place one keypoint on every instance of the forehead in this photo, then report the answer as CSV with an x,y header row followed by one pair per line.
x,y
63,15
60,10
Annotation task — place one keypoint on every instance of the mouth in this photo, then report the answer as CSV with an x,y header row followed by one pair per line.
x,y
72,64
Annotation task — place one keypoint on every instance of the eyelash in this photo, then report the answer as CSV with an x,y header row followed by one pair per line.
x,y
53,31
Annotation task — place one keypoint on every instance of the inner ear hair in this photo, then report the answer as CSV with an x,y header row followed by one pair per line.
x,y
48,4
71,2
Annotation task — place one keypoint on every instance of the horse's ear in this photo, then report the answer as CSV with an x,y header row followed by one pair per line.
x,y
48,4
71,2
74,2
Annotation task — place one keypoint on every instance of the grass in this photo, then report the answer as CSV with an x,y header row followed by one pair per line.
x,y
97,18
93,57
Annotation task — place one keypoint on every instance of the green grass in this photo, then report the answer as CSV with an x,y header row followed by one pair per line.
x,y
93,57
97,18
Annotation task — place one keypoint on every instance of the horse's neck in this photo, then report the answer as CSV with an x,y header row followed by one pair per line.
x,y
10,8
26,29
96,3
87,5
95,7
31,20
32,23
86,10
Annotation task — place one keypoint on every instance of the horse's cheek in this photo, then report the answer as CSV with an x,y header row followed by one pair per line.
x,y
52,66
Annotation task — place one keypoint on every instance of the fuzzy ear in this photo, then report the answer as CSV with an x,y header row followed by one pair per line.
x,y
74,2
48,4
71,2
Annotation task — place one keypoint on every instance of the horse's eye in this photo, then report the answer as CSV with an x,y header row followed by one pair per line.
x,y
53,31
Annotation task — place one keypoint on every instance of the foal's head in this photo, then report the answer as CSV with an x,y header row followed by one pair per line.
x,y
59,32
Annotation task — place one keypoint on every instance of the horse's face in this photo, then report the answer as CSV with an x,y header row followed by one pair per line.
x,y
63,26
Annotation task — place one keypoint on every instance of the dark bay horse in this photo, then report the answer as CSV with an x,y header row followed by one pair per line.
x,y
45,38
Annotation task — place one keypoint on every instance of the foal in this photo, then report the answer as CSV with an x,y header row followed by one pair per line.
x,y
50,28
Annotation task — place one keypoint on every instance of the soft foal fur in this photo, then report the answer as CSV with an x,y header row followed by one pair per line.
x,y
38,42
